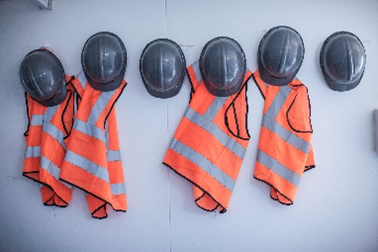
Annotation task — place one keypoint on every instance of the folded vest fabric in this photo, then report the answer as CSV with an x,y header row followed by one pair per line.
x,y
210,142
285,149
93,160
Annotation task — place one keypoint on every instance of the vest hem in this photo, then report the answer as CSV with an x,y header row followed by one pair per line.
x,y
282,203
224,210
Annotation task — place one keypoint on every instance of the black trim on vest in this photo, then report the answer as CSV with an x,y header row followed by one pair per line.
x,y
309,118
26,133
106,212
69,96
111,108
258,86
219,205
192,90
309,167
236,119
285,204
117,210
25,174
246,114
208,210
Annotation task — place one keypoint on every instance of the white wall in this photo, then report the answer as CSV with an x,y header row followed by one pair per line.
x,y
337,205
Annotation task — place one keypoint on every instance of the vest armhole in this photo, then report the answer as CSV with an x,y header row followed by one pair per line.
x,y
192,81
26,133
261,86
302,111
116,99
236,123
70,99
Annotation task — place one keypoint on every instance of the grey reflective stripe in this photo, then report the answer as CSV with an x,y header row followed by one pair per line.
x,y
99,106
33,151
204,163
50,128
197,71
113,155
270,123
117,189
90,130
214,130
278,102
286,135
214,107
50,112
82,79
54,132
85,164
278,168
36,120
52,169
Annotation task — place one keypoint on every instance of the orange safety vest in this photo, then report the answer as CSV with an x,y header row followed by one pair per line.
x,y
209,144
93,159
46,146
285,149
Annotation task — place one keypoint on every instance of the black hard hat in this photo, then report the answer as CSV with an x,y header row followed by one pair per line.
x,y
42,76
222,65
280,55
342,59
104,61
162,67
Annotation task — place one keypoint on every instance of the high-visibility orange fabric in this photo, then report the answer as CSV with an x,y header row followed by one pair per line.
x,y
285,149
46,146
210,142
93,162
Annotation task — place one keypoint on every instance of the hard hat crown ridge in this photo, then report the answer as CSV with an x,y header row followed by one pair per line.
x,y
280,55
43,78
162,68
104,60
222,65
342,60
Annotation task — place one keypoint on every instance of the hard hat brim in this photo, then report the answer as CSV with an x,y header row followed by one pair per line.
x,y
274,81
223,93
166,93
55,100
173,90
332,84
241,66
106,87
114,84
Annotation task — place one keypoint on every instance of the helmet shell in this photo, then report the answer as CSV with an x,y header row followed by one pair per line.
x,y
43,78
342,60
104,60
280,55
162,68
222,65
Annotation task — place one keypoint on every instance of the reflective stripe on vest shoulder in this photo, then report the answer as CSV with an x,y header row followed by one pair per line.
x,y
269,121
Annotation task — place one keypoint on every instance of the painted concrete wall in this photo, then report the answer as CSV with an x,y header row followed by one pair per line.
x,y
337,204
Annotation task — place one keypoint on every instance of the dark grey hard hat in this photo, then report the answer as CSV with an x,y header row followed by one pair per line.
x,y
104,61
280,55
162,67
342,59
222,65
42,76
